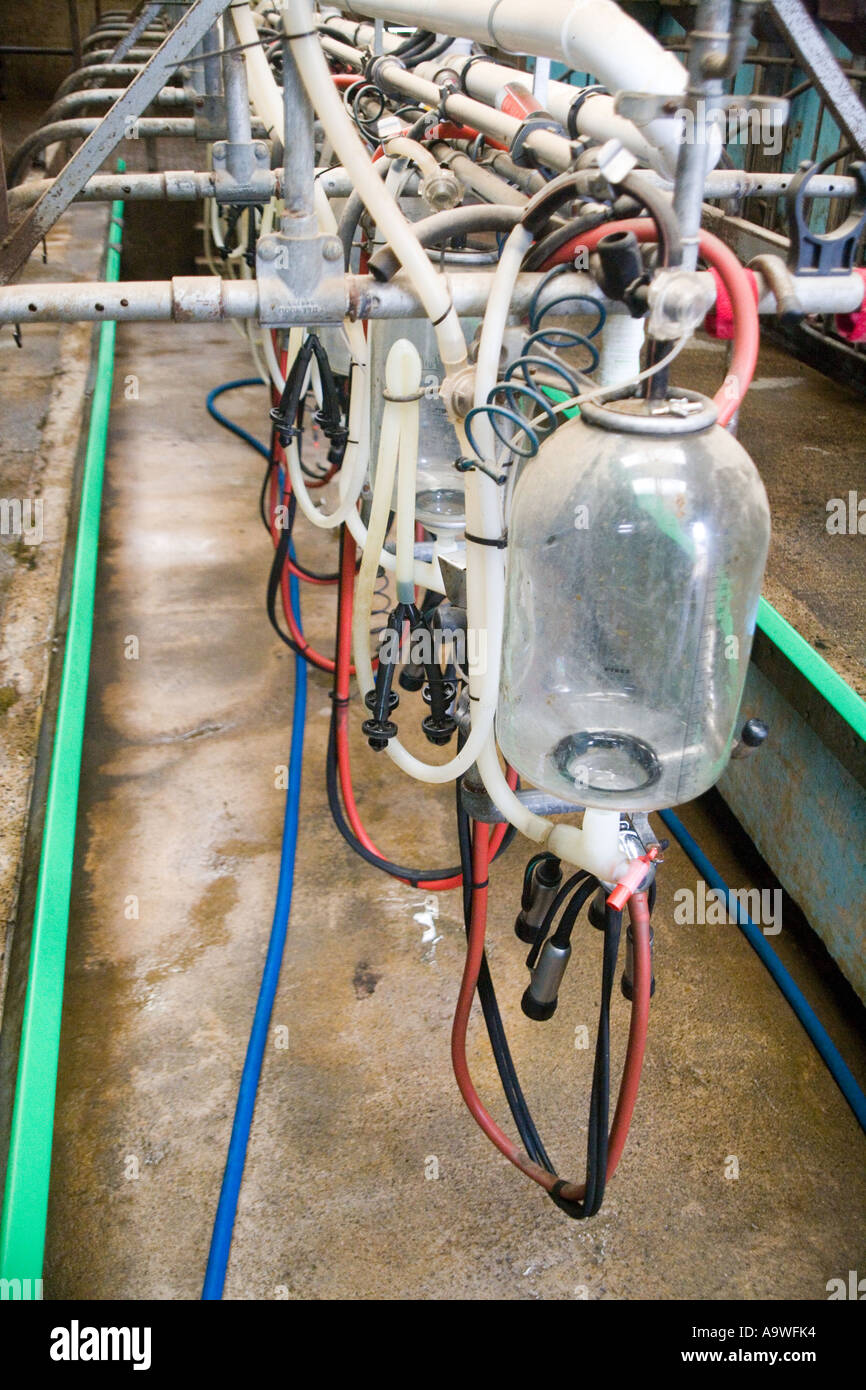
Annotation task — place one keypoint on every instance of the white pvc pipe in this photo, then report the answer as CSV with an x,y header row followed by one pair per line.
x,y
402,378
432,288
264,92
596,117
593,36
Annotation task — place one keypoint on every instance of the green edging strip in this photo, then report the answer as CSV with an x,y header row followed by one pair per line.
x,y
25,1202
835,690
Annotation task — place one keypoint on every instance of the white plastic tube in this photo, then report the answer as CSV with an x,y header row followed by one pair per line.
x,y
596,116
402,378
432,288
407,464
594,845
399,372
593,36
264,92
401,147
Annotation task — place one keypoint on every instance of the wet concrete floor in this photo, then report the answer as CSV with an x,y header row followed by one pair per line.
x,y
366,1177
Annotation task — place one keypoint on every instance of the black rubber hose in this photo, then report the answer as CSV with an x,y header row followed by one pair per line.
x,y
599,1105
542,250
490,1009
480,217
352,213
429,54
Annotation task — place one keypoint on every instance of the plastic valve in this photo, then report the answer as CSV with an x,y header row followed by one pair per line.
x,y
632,879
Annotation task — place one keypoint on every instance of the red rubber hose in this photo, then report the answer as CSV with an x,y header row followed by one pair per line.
x,y
746,327
636,1042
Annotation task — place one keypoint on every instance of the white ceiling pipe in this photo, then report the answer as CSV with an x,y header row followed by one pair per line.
x,y
593,36
596,117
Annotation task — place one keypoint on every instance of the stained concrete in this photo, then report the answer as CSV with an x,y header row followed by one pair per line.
x,y
358,1112
43,395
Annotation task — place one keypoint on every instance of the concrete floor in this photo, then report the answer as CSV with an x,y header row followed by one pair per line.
x,y
180,824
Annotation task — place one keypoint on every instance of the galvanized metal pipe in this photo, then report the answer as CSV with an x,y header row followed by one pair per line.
x,y
116,73
60,132
107,96
299,154
207,299
709,42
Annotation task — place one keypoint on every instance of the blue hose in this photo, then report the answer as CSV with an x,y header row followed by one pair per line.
x,y
221,1239
230,424
836,1064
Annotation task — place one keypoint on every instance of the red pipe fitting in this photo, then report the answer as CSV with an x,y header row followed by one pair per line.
x,y
852,327
719,322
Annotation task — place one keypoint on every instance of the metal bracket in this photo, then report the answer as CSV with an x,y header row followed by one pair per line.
x,y
300,274
242,172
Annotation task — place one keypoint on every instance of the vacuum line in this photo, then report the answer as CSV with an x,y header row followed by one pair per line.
x,y
221,1238
829,1052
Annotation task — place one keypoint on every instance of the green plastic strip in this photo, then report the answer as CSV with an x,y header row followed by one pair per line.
x,y
25,1201
835,690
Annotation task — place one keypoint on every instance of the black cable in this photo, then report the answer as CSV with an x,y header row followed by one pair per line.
x,y
422,37
490,1009
542,250
577,891
429,54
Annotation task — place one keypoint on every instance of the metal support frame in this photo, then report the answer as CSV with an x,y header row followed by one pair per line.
x,y
242,165
817,59
74,32
208,298
709,41
148,14
59,132
189,30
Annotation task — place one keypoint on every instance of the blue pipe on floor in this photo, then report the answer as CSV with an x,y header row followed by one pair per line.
x,y
829,1052
230,424
221,1239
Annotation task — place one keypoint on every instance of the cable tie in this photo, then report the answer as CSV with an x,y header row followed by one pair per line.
x,y
443,317
476,58
498,542
403,400
596,90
